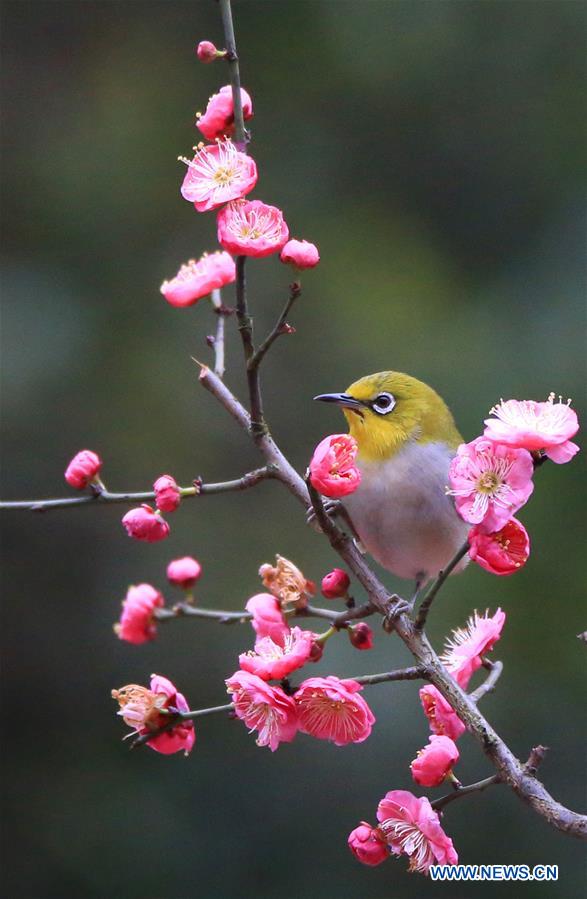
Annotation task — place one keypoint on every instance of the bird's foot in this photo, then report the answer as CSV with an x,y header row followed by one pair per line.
x,y
332,507
397,606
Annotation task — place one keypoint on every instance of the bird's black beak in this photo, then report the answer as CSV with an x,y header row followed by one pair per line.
x,y
341,399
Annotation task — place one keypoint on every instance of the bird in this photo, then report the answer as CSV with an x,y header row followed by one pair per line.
x,y
401,511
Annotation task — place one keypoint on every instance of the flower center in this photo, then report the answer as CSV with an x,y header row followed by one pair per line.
x,y
488,483
224,175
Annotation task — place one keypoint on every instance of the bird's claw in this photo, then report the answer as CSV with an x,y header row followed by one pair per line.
x,y
332,507
397,606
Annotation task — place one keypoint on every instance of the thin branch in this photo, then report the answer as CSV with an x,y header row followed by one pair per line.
x,y
436,586
218,340
281,327
183,609
412,673
495,670
104,497
240,135
459,792
176,718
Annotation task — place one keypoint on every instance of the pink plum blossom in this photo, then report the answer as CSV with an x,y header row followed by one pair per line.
x,y
167,495
490,482
503,552
83,468
141,709
368,844
300,253
184,572
143,523
266,709
464,650
331,709
251,228
332,470
335,584
274,661
207,52
268,619
433,763
412,827
218,120
361,636
137,622
198,279
535,426
216,175
443,719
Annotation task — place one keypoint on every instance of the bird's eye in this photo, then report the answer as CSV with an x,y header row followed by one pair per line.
x,y
383,403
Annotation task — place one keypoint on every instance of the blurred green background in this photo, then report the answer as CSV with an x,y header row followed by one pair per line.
x,y
434,152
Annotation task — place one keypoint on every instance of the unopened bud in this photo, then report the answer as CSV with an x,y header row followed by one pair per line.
x,y
207,52
335,584
361,636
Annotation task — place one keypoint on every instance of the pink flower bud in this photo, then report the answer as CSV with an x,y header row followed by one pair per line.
x,y
361,636
503,552
143,523
434,762
300,253
184,572
82,469
167,495
206,51
367,844
137,622
335,584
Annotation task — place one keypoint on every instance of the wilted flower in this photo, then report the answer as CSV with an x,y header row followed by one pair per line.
x,y
368,844
274,661
137,621
198,279
218,120
300,253
285,581
83,468
251,228
268,619
442,717
143,523
142,709
464,650
167,495
361,635
412,827
184,572
433,763
332,470
268,710
535,426
490,482
503,552
207,52
331,709
216,175
335,584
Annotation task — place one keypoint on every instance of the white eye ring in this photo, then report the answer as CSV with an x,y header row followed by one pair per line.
x,y
383,404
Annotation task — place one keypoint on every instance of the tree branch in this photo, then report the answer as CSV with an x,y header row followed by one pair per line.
x,y
218,341
436,586
412,673
280,327
241,136
175,718
495,670
459,792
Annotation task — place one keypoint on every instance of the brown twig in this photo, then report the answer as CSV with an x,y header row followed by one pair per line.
x,y
495,670
461,791
437,585
218,340
280,327
240,134
412,673
176,718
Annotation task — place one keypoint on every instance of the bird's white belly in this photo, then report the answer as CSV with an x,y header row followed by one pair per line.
x,y
402,514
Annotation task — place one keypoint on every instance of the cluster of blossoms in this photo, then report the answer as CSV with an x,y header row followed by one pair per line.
x,y
148,710
218,178
408,824
324,707
491,477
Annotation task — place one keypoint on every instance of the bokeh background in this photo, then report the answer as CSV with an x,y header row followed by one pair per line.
x,y
434,152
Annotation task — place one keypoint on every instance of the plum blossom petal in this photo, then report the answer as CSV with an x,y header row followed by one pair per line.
x,y
535,426
268,619
167,493
368,844
300,253
265,709
137,622
218,120
184,572
503,552
490,482
251,228
83,468
412,827
216,175
331,709
442,717
274,661
198,279
333,471
433,763
143,523
287,583
464,650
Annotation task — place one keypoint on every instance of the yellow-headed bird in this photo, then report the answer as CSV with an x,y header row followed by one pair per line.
x,y
406,438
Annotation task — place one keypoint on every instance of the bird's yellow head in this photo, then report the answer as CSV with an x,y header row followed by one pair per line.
x,y
388,409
